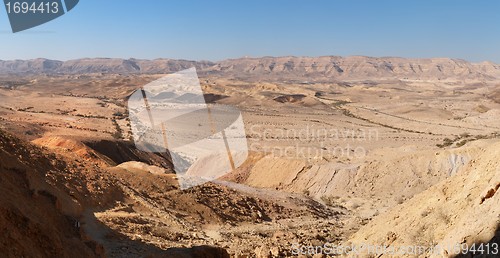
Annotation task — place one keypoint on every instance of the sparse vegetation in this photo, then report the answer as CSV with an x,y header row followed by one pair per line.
x,y
350,114
464,138
118,114
118,134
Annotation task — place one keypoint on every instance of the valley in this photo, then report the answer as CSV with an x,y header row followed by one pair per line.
x,y
342,150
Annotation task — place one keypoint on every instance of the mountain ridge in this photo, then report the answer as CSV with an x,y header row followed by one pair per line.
x,y
98,65
323,68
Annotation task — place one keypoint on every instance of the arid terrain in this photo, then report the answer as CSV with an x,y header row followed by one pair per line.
x,y
388,152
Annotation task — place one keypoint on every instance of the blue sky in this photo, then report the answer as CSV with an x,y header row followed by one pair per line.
x,y
216,30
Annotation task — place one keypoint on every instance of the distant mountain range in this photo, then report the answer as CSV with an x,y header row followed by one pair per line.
x,y
272,68
99,65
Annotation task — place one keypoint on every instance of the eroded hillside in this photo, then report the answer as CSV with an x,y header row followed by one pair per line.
x,y
461,210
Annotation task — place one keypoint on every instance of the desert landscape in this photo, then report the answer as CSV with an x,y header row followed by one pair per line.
x,y
345,151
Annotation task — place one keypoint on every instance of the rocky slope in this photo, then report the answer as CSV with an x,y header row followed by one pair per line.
x,y
462,209
392,175
36,219
47,203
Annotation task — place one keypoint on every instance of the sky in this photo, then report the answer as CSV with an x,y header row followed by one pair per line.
x,y
217,30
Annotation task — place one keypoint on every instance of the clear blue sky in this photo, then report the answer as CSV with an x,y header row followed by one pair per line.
x,y
215,30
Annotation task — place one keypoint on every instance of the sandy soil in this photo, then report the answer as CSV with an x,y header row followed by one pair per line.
x,y
330,162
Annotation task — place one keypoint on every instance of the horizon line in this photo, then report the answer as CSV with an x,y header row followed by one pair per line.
x,y
251,57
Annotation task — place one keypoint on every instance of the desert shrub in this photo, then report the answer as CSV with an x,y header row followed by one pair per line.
x,y
461,143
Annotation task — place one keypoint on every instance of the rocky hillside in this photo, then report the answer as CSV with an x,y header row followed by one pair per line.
x,y
36,219
392,175
45,210
462,209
